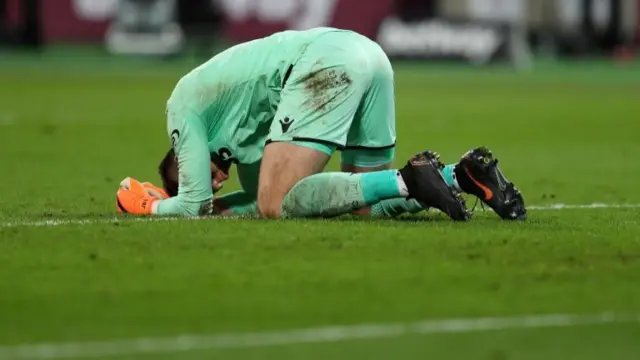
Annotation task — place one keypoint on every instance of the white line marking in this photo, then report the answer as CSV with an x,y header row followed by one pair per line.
x,y
583,206
186,342
114,220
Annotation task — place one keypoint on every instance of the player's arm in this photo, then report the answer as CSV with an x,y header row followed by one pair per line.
x,y
235,203
242,202
195,196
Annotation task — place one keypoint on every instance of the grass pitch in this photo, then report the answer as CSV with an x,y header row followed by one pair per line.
x,y
71,132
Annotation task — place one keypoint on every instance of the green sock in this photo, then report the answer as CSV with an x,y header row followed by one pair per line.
x,y
395,207
336,193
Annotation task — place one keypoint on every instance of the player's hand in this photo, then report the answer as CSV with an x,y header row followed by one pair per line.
x,y
155,191
133,198
151,190
216,186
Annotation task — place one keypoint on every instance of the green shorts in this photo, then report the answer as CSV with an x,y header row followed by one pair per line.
x,y
339,95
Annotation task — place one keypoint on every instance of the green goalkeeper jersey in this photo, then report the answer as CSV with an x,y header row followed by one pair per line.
x,y
223,109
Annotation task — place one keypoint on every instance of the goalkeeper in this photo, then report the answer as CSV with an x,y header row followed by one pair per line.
x,y
279,108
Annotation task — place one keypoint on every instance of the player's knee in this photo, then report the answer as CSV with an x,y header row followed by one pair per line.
x,y
365,211
268,206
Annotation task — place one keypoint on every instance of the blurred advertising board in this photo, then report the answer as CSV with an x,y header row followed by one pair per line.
x,y
418,37
470,29
88,20
69,20
250,19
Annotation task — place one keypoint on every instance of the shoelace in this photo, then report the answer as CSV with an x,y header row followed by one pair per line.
x,y
473,209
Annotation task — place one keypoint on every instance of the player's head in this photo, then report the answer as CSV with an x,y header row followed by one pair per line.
x,y
168,170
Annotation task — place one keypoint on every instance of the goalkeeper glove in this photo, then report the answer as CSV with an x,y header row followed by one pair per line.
x,y
138,198
156,192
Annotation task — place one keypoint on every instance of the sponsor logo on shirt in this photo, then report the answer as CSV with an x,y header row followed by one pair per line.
x,y
285,124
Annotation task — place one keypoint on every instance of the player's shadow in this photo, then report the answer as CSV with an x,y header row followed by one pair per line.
x,y
423,217
417,218
435,217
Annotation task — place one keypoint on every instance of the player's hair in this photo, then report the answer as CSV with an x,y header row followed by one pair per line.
x,y
166,165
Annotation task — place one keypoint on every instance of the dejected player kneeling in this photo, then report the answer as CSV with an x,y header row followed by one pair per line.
x,y
279,108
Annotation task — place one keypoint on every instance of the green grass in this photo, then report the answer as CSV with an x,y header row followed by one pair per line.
x,y
565,134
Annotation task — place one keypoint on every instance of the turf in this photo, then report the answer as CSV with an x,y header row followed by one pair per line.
x,y
70,131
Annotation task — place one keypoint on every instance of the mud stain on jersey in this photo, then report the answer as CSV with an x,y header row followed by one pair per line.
x,y
325,87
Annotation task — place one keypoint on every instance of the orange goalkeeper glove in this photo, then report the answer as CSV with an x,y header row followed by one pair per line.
x,y
138,198
155,191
